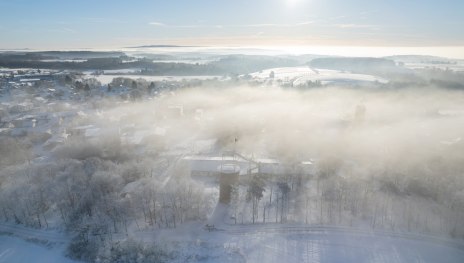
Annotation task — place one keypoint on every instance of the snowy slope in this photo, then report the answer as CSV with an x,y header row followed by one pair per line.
x,y
23,244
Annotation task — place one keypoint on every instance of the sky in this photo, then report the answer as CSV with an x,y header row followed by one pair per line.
x,y
55,24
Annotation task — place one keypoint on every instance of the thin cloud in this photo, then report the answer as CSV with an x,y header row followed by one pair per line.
x,y
157,24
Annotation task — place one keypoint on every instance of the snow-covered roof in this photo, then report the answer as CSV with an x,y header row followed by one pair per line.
x,y
83,127
265,165
28,80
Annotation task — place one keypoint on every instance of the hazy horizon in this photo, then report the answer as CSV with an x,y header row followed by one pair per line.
x,y
417,26
451,52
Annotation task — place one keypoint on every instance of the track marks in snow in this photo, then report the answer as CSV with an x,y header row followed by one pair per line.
x,y
5,254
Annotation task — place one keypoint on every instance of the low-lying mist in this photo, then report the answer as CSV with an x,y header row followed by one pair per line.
x,y
401,127
405,144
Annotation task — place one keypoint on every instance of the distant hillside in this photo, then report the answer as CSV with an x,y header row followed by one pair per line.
x,y
39,55
233,64
81,54
417,58
242,64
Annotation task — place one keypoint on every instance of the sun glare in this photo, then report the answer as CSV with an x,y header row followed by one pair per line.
x,y
293,3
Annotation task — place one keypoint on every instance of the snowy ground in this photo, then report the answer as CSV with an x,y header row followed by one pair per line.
x,y
337,245
300,243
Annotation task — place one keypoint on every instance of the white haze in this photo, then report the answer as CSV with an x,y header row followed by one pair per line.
x,y
387,159
404,126
403,144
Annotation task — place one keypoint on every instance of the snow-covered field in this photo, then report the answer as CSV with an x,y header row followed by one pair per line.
x,y
122,71
301,75
105,79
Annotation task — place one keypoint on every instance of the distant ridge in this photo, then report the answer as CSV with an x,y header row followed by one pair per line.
x,y
159,46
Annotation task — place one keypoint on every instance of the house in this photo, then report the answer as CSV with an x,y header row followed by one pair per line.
x,y
208,165
25,122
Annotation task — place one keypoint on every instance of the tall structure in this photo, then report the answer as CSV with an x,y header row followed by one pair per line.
x,y
228,176
229,172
